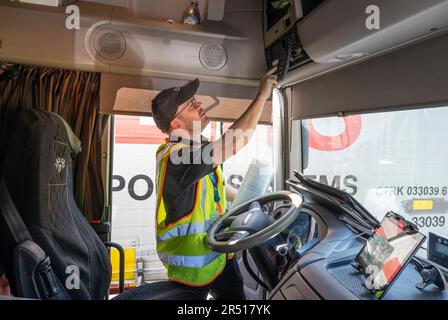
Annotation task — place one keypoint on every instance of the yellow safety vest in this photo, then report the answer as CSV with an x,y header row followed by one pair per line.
x,y
181,245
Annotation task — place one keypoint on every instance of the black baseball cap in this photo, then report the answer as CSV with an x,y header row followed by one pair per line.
x,y
165,104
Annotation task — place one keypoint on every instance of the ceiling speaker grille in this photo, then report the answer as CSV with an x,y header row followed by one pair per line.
x,y
213,56
109,44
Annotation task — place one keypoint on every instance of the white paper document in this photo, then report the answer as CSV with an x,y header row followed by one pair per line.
x,y
255,182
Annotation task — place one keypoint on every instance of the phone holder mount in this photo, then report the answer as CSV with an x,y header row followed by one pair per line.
x,y
430,275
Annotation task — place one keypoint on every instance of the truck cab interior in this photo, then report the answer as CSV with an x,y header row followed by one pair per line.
x,y
354,136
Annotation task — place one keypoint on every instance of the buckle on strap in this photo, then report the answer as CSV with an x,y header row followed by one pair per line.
x,y
48,278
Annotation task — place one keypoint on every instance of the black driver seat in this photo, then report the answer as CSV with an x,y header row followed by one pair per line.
x,y
61,245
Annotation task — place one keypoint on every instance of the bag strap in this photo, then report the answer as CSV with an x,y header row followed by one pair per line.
x,y
11,215
75,143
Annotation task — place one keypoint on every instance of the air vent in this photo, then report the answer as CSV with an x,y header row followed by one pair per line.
x,y
213,56
108,44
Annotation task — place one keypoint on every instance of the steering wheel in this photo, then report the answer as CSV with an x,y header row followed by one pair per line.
x,y
247,226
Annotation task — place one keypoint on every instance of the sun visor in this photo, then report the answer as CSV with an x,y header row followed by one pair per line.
x,y
132,95
409,78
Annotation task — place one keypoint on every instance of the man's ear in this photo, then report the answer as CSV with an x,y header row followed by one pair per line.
x,y
175,124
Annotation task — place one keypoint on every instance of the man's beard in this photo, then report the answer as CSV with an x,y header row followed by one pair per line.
x,y
204,123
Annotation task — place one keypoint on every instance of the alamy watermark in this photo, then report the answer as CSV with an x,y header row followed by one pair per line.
x,y
73,21
232,142
373,21
73,280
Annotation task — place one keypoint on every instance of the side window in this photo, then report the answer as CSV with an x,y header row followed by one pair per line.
x,y
387,161
136,140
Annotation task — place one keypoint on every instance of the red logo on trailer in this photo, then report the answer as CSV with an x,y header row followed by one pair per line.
x,y
129,130
335,143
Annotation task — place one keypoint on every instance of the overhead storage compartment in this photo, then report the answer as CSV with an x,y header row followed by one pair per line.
x,y
37,35
335,35
410,78
337,31
112,39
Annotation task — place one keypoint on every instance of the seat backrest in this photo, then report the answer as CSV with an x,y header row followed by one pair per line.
x,y
38,174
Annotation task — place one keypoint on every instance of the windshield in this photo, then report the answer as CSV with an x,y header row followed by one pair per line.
x,y
387,161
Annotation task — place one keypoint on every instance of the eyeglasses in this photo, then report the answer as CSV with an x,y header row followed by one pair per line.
x,y
192,104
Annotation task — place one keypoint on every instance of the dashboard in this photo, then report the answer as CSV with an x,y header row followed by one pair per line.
x,y
321,266
326,270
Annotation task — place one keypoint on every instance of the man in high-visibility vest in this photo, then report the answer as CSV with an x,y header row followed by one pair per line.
x,y
190,189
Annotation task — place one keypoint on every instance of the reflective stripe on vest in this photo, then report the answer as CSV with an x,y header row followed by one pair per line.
x,y
181,245
188,261
186,229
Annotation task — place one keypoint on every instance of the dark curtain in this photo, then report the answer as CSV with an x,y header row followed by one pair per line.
x,y
74,95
